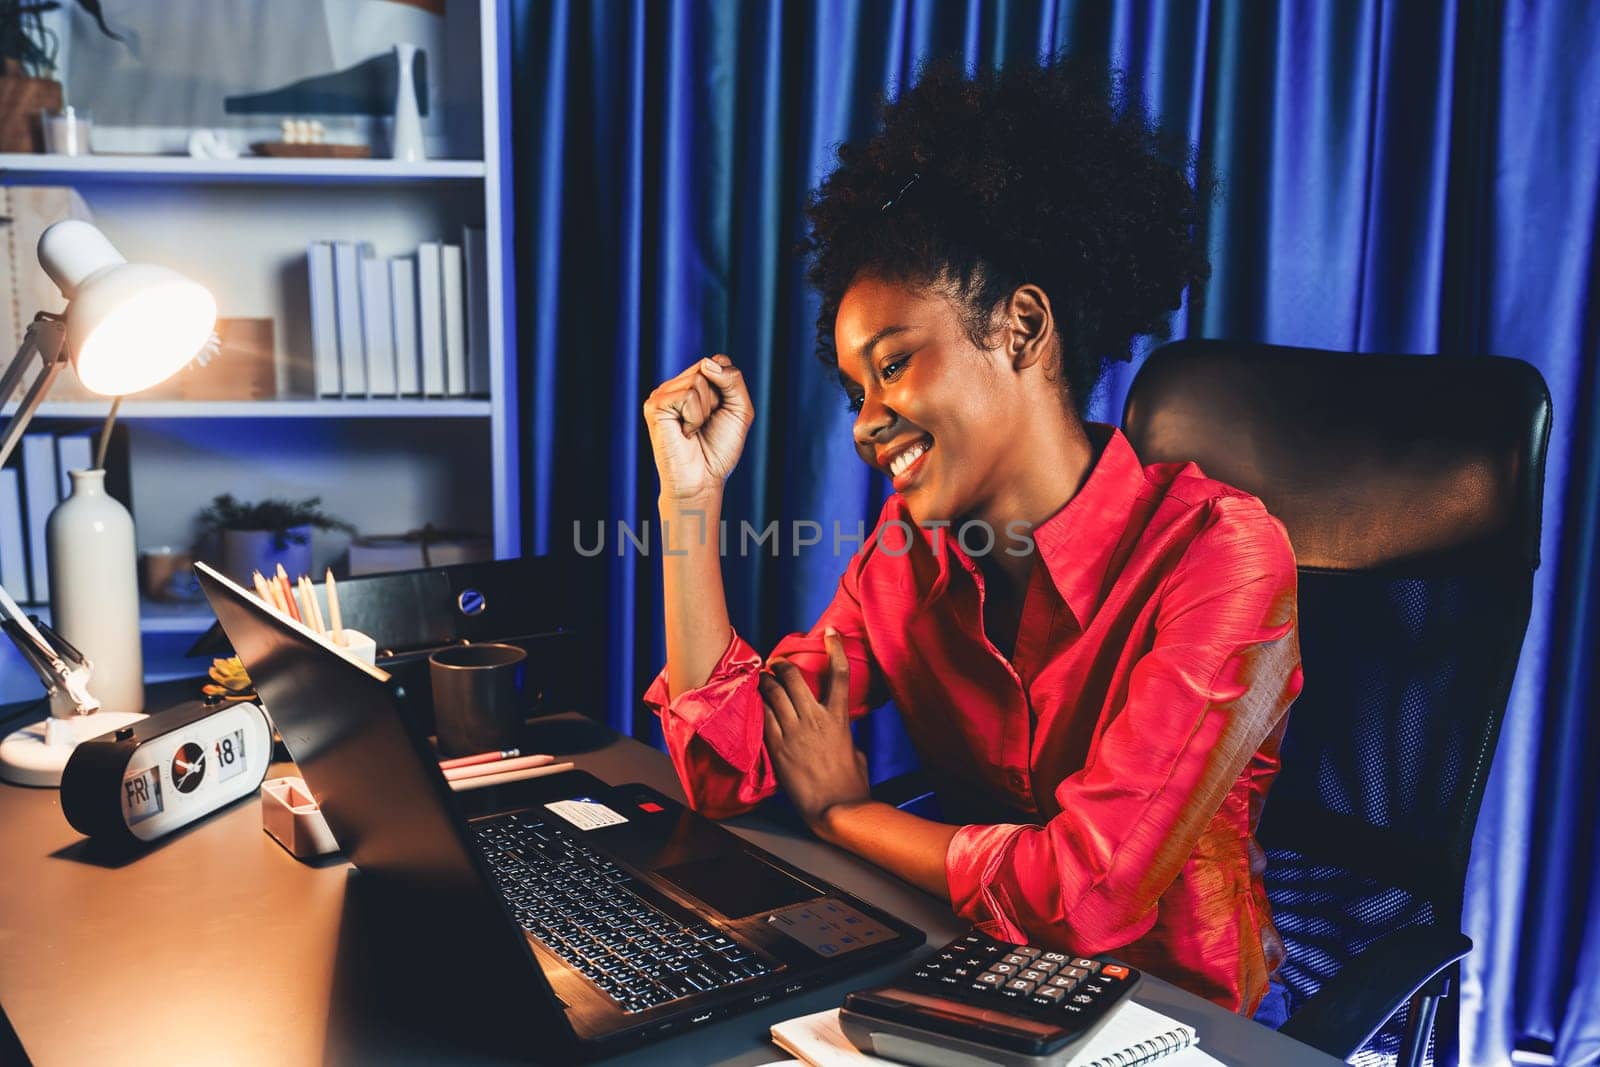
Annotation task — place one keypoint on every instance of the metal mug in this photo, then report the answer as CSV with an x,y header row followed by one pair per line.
x,y
477,705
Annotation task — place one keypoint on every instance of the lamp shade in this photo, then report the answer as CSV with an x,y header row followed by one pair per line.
x,y
129,325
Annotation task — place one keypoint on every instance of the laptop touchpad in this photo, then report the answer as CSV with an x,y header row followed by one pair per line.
x,y
737,884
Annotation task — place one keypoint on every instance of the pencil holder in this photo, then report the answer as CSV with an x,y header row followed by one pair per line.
x,y
358,645
290,815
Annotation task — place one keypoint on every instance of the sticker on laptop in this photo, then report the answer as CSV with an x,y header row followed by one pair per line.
x,y
586,813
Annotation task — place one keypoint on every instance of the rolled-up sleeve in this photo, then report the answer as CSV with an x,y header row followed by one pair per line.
x,y
1221,673
714,732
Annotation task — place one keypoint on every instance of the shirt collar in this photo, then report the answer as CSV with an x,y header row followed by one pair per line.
x,y
1079,542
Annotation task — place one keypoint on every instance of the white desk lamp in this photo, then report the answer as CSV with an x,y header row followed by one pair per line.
x,y
127,327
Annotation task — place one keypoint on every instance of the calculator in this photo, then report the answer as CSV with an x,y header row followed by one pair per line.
x,y
983,1001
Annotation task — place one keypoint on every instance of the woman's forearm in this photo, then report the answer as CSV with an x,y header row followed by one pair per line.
x,y
698,630
903,844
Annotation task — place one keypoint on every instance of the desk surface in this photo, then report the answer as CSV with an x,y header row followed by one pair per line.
x,y
220,932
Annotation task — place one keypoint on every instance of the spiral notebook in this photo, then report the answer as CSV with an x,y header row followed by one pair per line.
x,y
1134,1035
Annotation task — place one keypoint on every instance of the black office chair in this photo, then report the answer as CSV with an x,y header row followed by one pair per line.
x,y
1411,488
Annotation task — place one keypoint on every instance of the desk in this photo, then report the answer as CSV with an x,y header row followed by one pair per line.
x,y
219,932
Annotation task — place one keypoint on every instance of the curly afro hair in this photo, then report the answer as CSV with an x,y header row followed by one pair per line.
x,y
1046,174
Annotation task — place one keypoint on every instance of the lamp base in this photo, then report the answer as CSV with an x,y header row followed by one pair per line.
x,y
38,753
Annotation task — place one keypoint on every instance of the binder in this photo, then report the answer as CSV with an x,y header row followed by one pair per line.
x,y
475,252
430,316
403,308
453,282
377,329
13,540
39,487
74,452
324,319
347,257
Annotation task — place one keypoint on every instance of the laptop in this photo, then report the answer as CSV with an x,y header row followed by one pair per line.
x,y
604,915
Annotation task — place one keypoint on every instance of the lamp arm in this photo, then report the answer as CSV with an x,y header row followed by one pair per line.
x,y
46,338
62,668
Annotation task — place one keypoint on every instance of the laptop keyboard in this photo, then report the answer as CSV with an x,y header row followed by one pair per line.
x,y
587,910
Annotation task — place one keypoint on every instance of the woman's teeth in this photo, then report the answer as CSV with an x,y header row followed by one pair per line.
x,y
898,464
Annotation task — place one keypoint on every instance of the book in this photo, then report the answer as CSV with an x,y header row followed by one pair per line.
x,y
430,317
324,319
377,329
39,499
13,542
403,309
475,254
452,283
347,257
1134,1035
74,452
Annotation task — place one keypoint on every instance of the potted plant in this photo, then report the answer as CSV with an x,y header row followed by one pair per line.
x,y
28,86
258,537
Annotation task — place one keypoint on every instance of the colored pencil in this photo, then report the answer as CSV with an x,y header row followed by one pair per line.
x,y
502,767
485,782
288,594
481,757
316,608
335,620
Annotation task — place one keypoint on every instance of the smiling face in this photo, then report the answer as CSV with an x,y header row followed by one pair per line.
x,y
938,414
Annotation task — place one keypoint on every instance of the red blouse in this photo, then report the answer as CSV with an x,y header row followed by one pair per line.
x,y
1111,773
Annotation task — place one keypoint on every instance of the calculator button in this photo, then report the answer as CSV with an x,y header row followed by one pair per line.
x,y
1002,968
1042,964
1048,995
1073,972
1017,961
1032,975
1089,965
1062,982
972,961
1114,970
988,981
1025,950
1054,957
1020,986
1095,987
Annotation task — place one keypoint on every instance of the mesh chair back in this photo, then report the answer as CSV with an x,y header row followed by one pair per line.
x,y
1411,489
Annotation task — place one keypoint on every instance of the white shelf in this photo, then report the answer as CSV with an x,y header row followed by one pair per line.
x,y
155,617
41,169
440,408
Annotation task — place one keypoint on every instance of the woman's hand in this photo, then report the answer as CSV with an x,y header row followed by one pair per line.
x,y
697,421
809,741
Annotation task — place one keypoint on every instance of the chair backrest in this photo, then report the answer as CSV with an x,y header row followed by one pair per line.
x,y
1411,488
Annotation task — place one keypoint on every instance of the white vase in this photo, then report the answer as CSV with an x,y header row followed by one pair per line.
x,y
94,588
406,140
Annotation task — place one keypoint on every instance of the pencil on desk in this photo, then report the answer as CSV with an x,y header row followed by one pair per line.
x,y
464,784
335,620
456,774
481,757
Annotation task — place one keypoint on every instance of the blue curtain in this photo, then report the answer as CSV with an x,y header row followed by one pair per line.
x,y
1412,177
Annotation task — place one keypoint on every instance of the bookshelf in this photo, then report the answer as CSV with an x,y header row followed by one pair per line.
x,y
18,169
241,227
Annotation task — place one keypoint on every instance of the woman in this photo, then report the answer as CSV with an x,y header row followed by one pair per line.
x,y
1094,658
